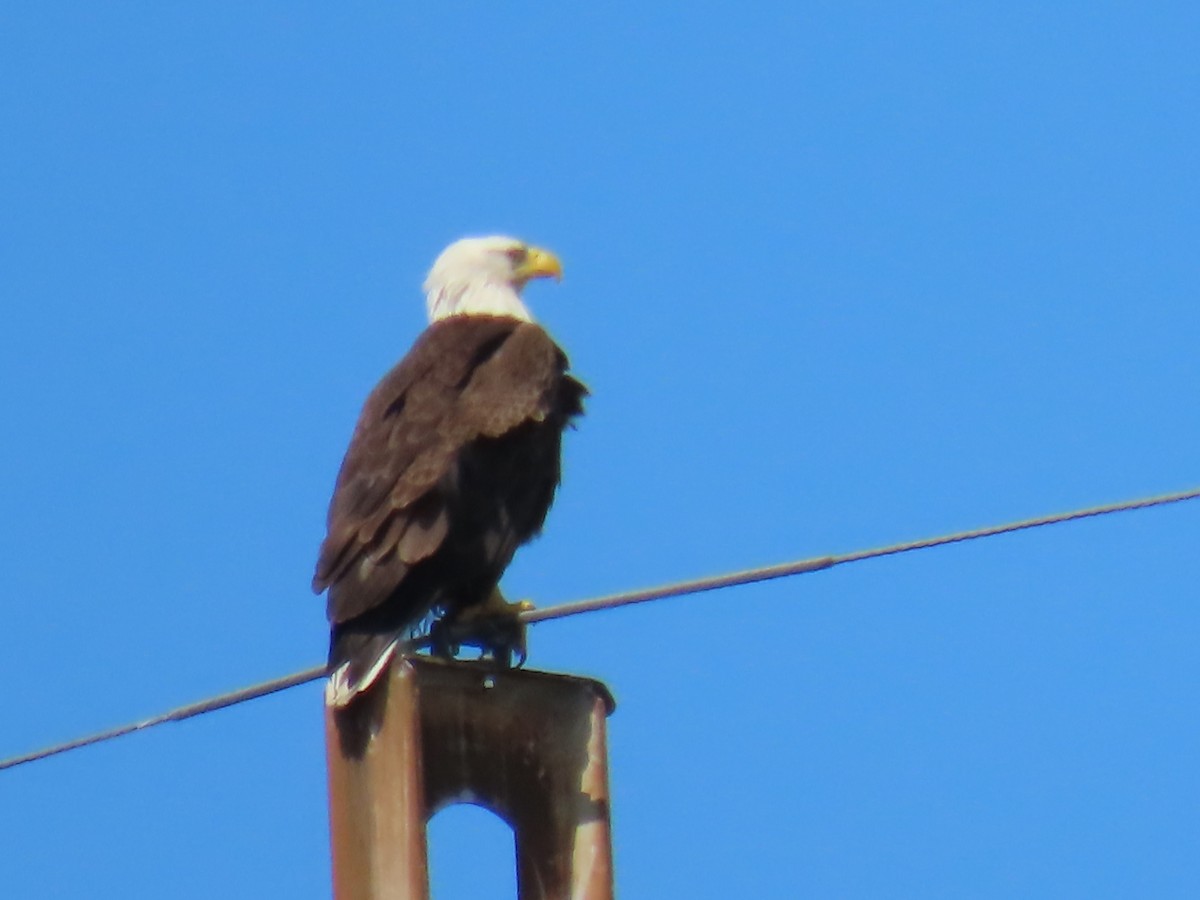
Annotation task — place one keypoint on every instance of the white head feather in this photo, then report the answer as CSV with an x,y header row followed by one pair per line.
x,y
484,277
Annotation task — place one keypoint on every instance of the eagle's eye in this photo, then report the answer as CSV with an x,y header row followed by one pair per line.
x,y
517,254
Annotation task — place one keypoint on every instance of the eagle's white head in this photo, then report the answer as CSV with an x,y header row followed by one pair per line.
x,y
484,277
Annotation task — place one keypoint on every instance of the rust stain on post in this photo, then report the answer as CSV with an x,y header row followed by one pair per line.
x,y
530,746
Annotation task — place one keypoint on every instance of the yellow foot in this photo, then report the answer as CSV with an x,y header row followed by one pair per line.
x,y
495,627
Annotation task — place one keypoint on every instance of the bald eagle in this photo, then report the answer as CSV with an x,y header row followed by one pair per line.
x,y
453,464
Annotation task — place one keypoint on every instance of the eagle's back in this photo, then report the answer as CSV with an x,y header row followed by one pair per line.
x,y
452,465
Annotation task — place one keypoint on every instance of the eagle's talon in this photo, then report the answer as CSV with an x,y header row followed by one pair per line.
x,y
493,626
443,641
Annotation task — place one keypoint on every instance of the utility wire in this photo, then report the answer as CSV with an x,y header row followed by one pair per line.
x,y
612,601
817,563
175,715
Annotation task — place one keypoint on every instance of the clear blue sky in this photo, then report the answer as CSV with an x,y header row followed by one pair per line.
x,y
838,274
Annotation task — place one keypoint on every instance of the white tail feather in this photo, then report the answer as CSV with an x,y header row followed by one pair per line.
x,y
340,690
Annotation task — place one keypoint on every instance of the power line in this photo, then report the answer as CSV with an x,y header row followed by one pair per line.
x,y
627,598
175,715
818,563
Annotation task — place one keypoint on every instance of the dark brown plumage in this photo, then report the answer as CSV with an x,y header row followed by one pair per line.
x,y
453,464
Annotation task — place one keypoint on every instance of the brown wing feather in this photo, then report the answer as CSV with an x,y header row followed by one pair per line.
x,y
514,386
396,451
465,378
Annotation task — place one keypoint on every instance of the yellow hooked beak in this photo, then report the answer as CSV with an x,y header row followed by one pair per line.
x,y
538,263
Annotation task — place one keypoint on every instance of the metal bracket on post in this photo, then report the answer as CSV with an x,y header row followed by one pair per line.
x,y
529,746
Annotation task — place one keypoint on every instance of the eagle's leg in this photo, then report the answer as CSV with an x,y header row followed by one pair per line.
x,y
493,626
444,638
